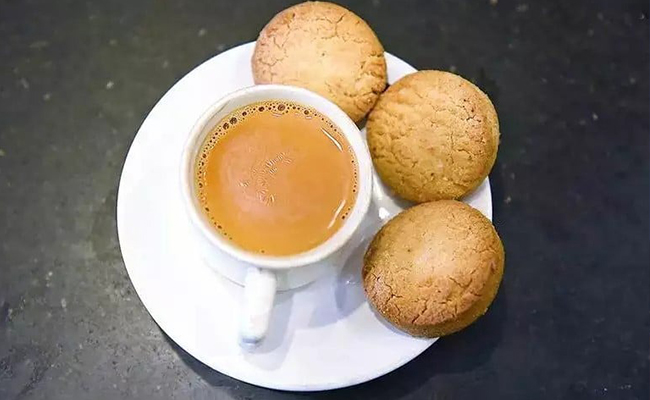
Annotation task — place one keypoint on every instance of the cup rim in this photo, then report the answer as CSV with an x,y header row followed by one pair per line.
x,y
278,92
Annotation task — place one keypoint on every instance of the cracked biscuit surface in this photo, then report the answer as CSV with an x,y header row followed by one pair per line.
x,y
434,268
327,49
433,135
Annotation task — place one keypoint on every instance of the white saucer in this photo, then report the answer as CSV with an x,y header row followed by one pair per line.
x,y
322,336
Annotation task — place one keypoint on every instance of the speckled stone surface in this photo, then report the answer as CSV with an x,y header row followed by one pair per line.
x,y
570,82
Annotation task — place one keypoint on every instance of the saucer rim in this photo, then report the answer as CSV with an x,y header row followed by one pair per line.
x,y
253,379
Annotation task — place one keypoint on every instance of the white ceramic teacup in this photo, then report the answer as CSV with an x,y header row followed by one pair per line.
x,y
261,275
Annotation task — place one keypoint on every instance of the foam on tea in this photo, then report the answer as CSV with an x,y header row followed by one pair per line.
x,y
276,178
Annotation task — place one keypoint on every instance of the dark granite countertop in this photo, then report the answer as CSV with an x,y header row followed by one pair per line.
x,y
571,188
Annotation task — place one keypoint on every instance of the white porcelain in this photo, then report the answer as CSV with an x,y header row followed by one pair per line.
x,y
323,335
263,274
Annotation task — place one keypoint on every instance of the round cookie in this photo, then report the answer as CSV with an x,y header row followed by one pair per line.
x,y
327,49
434,268
433,135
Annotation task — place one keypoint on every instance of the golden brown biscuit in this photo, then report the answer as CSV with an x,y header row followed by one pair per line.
x,y
433,135
434,269
327,49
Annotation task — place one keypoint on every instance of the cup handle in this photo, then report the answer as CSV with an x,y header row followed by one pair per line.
x,y
259,293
